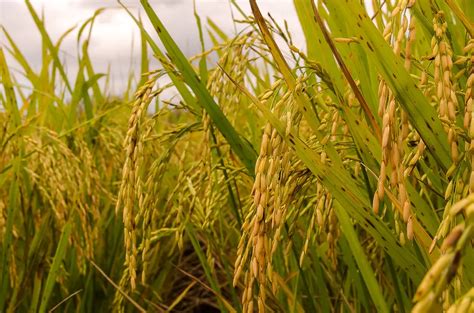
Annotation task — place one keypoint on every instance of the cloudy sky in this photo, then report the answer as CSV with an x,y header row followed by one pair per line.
x,y
114,31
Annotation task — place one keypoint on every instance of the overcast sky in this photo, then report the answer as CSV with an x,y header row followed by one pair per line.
x,y
114,30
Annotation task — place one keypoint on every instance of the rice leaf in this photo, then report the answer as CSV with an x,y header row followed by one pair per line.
x,y
240,146
367,273
55,266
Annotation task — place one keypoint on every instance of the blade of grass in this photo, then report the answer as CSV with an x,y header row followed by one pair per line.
x,y
404,303
11,103
217,30
321,288
52,50
180,297
240,147
96,90
64,300
469,25
304,279
144,61
13,207
205,265
227,304
353,277
35,294
98,96
126,296
202,62
54,270
366,270
293,302
18,55
188,98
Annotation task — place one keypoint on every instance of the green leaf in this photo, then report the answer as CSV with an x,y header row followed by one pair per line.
x,y
13,207
54,270
366,270
52,49
10,104
240,147
421,114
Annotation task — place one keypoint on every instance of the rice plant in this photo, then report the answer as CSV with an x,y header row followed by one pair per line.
x,y
333,177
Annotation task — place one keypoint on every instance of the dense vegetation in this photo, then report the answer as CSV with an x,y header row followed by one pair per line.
x,y
338,177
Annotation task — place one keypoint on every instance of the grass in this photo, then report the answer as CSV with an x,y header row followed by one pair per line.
x,y
336,177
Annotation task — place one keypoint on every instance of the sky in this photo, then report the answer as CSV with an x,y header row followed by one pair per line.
x,y
114,31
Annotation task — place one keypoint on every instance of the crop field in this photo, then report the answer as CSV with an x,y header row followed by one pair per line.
x,y
335,176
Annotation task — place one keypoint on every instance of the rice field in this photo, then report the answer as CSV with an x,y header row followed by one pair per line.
x,y
337,176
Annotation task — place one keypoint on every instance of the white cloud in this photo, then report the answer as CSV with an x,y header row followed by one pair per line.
x,y
113,31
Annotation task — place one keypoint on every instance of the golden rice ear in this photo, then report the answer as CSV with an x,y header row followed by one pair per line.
x,y
130,177
443,80
271,174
